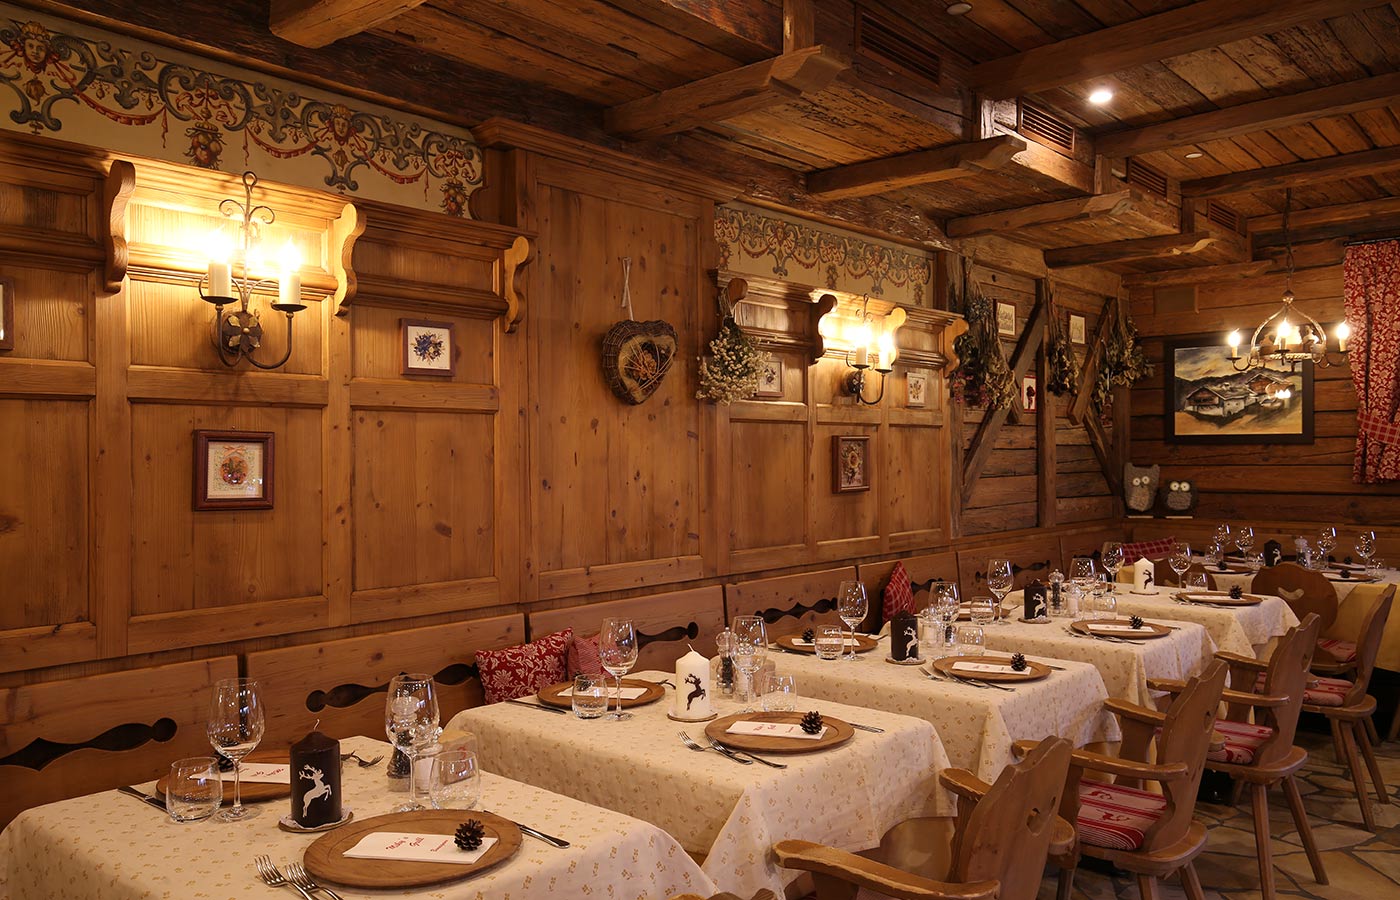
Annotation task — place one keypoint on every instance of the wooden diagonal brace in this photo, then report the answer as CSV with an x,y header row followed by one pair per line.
x,y
985,439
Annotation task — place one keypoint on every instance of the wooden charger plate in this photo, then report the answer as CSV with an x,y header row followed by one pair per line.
x,y
325,859
1034,670
252,791
864,644
1148,629
551,696
1221,598
837,733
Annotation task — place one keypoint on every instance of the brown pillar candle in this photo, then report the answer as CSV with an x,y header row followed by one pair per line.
x,y
316,780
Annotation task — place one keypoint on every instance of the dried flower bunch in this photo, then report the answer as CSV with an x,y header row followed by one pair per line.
x,y
732,369
983,377
1123,363
1062,376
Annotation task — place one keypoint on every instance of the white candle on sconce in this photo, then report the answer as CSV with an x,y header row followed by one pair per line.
x,y
1343,335
289,283
220,273
692,688
862,341
1234,341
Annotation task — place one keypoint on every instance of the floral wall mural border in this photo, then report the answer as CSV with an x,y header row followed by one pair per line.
x,y
67,81
759,242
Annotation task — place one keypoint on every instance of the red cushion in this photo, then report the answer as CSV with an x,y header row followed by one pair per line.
x,y
1151,549
899,593
1319,692
525,668
1116,817
1341,651
1241,740
583,656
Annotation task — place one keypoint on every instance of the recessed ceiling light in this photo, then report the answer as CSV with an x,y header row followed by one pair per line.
x,y
1100,96
1195,154
959,9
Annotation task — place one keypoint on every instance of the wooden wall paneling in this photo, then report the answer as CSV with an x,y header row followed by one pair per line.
x,y
667,624
923,568
337,468
1031,558
788,602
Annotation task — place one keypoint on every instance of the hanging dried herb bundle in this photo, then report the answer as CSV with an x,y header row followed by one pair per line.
x,y
983,377
1060,361
1123,363
731,371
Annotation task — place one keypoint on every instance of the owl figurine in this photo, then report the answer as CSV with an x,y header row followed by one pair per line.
x,y
1178,498
1140,488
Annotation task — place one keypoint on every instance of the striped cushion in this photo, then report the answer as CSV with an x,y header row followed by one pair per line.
x,y
1132,552
1116,817
1340,650
1321,692
1241,740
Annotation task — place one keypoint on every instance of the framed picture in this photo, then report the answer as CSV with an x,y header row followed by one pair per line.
x,y
1209,401
429,348
1029,394
1006,319
7,313
1076,329
850,463
233,470
916,389
770,378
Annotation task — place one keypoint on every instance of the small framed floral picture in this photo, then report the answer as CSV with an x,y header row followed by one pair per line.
x,y
232,470
1076,329
770,378
1029,394
1006,319
429,348
916,389
7,314
850,463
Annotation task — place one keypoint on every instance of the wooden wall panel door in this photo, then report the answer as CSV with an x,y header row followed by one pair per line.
x,y
768,486
918,488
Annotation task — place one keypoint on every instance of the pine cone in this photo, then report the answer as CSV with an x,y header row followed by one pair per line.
x,y
469,834
809,636
1222,566
1018,662
1236,593
1135,621
812,722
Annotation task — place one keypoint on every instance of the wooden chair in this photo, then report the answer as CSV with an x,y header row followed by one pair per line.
x,y
1262,754
1004,833
789,603
667,624
764,894
1151,835
341,684
1304,590
1348,707
61,739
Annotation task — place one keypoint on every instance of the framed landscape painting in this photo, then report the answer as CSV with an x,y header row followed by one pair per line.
x,y
1209,401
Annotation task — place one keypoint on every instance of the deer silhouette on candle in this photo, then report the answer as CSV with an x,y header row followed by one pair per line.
x,y
320,789
696,691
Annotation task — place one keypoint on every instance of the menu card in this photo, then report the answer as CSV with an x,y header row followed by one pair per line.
x,y
849,642
435,848
774,729
266,773
628,693
1098,627
985,667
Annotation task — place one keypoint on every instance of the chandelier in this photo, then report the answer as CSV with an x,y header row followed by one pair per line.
x,y
1289,336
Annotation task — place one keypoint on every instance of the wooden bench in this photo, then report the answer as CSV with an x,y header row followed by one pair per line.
x,y
789,603
1030,559
62,739
342,683
667,624
923,571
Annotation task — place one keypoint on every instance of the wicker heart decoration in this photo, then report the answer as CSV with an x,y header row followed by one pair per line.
x,y
636,356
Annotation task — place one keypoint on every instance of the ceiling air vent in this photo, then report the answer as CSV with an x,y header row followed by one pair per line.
x,y
1222,215
1045,127
898,47
1146,177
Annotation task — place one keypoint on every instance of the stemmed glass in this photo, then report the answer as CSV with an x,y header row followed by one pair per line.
x,y
1113,561
617,649
852,606
1081,572
1000,579
235,728
1244,539
1222,537
1180,560
1326,540
750,650
411,722
1366,547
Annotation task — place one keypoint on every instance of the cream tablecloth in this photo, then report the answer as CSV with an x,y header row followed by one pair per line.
x,y
112,847
848,797
976,725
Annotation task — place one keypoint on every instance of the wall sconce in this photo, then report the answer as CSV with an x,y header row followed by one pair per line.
x,y
872,347
237,334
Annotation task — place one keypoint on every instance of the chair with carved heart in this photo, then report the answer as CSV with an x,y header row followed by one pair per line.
x,y
1003,836
1304,590
1149,834
1261,754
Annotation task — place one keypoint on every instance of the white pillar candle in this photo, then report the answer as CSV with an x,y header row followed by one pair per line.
x,y
1143,574
289,289
692,687
220,278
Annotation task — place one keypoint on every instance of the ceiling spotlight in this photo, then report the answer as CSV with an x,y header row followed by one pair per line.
x,y
958,9
1100,96
1195,154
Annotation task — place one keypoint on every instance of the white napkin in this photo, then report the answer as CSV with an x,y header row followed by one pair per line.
x,y
437,848
774,729
266,773
984,667
849,642
628,693
1097,627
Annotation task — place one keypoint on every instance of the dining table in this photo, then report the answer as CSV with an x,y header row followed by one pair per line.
x,y
719,809
976,723
112,846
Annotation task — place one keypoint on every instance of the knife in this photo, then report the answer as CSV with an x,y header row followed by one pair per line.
x,y
133,792
549,709
538,835
870,728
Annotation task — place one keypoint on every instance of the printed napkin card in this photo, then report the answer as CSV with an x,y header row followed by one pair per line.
x,y
628,693
435,848
985,668
774,729
266,773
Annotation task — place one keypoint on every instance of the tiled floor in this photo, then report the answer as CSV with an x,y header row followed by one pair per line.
x,y
1360,865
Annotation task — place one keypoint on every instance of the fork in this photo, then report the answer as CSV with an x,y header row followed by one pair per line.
x,y
362,763
299,876
731,751
690,742
273,877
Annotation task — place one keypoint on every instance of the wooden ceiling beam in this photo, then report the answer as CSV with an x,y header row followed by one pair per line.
x,y
799,24
1199,275
1062,212
1164,245
748,89
316,23
1297,174
1197,26
1324,222
1261,115
877,176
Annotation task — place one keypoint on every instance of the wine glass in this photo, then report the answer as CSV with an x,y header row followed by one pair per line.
x,y
1196,581
1244,539
1113,561
1326,540
235,728
1000,579
454,780
750,650
1366,547
617,649
1222,537
1081,572
852,606
1180,560
411,722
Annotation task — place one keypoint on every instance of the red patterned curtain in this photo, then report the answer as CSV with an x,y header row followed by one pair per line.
x,y
1372,277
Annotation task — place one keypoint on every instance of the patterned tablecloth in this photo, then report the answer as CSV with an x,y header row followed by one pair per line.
x,y
976,725
847,797
112,847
